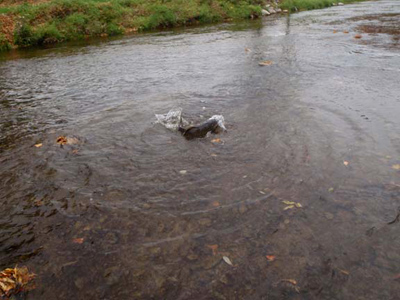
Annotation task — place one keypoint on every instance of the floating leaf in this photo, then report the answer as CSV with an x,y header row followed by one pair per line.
x,y
216,141
38,202
78,241
270,257
216,204
289,202
39,145
265,63
335,31
358,36
292,281
62,140
346,163
214,249
344,272
345,31
396,167
227,260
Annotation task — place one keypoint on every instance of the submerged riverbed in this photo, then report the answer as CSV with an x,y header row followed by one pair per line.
x,y
134,211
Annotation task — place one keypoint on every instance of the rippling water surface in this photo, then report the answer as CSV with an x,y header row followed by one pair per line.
x,y
319,127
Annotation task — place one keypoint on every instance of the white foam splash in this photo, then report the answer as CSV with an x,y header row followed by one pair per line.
x,y
172,120
220,119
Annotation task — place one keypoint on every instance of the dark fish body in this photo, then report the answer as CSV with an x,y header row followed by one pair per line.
x,y
200,131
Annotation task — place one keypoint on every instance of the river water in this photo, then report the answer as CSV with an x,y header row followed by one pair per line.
x,y
131,210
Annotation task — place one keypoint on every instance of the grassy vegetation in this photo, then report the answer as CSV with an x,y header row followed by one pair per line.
x,y
295,5
62,20
4,44
53,21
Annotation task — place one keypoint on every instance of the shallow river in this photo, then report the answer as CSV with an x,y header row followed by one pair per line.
x,y
131,210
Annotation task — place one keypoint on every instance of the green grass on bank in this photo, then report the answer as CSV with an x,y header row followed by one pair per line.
x,y
63,20
295,5
4,43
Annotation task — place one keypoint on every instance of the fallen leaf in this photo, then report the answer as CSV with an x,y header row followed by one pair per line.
x,y
227,260
344,272
245,176
61,140
397,276
13,281
247,50
214,155
214,249
216,204
330,190
78,241
346,163
39,145
75,151
183,172
288,207
38,202
292,281
270,257
335,31
396,167
261,192
358,36
265,63
216,141
345,31
289,202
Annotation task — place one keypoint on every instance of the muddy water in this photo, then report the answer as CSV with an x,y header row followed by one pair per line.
x,y
114,215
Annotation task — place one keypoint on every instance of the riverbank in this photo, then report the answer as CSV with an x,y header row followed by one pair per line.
x,y
298,5
47,22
